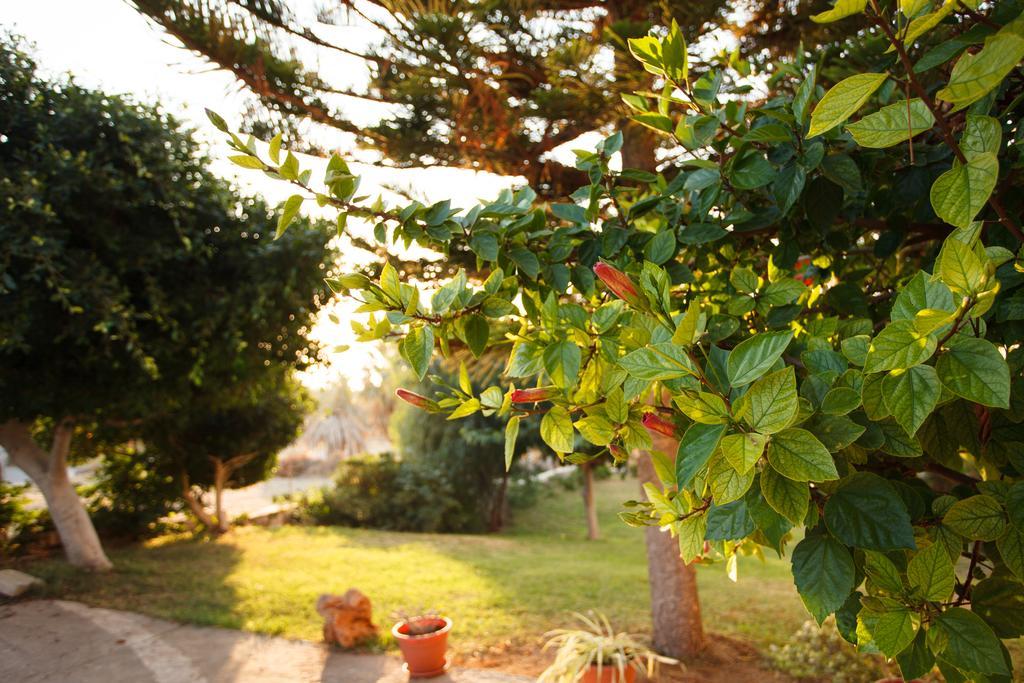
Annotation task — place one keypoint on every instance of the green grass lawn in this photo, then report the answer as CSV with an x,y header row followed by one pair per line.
x,y
501,590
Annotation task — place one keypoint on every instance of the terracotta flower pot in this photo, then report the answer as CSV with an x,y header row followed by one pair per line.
x,y
424,655
609,674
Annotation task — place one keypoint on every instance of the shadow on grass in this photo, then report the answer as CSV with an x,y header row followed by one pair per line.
x,y
181,578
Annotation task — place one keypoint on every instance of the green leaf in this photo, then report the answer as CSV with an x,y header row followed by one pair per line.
x,y
511,433
288,213
872,398
417,347
917,660
702,407
562,363
882,572
1011,549
840,401
691,532
465,409
835,432
782,292
695,449
960,268
898,346
974,75
730,522
798,455
787,497
751,171
771,403
974,369
866,512
922,292
596,429
892,124
477,332
841,10
727,484
657,362
660,248
1015,504
979,518
911,395
970,644
931,572
246,161
999,600
842,101
961,192
556,430
742,451
744,280
891,629
823,572
690,326
856,348
754,356
982,135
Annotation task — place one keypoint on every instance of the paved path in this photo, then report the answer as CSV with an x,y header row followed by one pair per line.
x,y
56,640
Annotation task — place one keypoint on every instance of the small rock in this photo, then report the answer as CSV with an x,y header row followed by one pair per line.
x,y
348,618
13,583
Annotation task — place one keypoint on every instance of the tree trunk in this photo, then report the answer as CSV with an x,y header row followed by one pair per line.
x,y
221,472
675,605
589,502
678,630
196,505
499,506
49,471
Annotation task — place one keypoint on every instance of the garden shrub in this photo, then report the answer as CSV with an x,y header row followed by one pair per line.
x,y
131,495
827,315
818,652
382,492
20,526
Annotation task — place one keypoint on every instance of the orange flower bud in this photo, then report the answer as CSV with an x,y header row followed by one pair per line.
x,y
618,282
416,400
659,425
534,395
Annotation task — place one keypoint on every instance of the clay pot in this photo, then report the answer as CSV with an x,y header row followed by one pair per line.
x,y
609,674
424,655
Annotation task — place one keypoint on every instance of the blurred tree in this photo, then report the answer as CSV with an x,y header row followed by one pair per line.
x,y
129,276
227,436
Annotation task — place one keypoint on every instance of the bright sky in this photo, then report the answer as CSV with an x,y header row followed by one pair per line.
x,y
106,44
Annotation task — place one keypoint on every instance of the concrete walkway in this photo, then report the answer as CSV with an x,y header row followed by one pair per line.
x,y
56,640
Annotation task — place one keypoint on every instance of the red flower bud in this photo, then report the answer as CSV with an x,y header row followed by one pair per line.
x,y
659,425
534,395
416,400
618,282
619,453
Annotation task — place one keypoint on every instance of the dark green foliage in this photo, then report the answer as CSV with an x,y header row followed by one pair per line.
x,y
132,494
128,272
140,295
20,526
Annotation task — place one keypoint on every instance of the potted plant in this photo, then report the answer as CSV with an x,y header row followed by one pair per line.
x,y
423,640
596,654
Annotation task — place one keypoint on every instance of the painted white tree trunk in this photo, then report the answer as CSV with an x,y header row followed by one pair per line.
x,y
49,471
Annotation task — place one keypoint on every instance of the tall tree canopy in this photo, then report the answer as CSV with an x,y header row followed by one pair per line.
x,y
129,276
821,305
492,86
